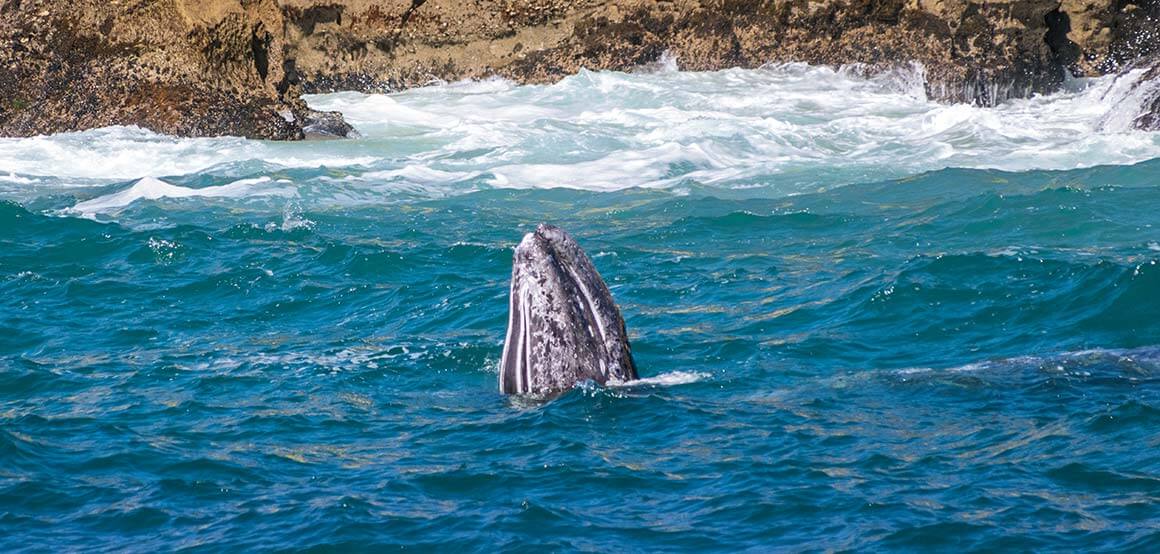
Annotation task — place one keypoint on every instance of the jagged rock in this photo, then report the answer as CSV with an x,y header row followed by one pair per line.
x,y
1148,89
974,51
182,67
211,67
327,125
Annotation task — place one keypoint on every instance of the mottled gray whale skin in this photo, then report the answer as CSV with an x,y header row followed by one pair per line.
x,y
563,326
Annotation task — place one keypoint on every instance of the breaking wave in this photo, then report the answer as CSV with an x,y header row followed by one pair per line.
x,y
776,130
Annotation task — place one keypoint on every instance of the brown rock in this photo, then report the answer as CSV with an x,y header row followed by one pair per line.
x,y
210,67
183,67
974,51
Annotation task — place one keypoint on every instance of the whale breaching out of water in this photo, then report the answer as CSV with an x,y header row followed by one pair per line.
x,y
563,326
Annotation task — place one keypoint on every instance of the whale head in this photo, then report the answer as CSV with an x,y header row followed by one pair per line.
x,y
563,326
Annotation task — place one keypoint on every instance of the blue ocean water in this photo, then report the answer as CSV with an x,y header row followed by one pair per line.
x,y
863,321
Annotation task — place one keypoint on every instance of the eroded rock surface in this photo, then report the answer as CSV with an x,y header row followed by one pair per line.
x,y
183,67
211,67
1147,88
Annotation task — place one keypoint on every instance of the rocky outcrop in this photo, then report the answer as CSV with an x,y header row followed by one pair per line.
x,y
975,51
1111,34
171,66
1147,89
182,67
205,67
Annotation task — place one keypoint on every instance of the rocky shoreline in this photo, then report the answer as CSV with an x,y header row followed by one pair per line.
x,y
239,67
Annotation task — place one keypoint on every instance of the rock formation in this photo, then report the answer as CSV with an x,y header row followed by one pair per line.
x,y
1148,90
213,67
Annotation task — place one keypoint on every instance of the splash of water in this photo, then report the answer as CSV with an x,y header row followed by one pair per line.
x,y
779,129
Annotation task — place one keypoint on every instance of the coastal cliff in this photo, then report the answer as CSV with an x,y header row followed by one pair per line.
x,y
238,67
183,67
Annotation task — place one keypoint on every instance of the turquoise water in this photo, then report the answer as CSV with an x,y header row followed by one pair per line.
x,y
862,321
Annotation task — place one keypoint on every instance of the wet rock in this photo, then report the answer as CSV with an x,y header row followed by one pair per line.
x,y
327,125
181,67
973,51
1148,90
211,67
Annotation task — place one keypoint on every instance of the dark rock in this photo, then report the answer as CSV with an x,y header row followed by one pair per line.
x,y
1148,87
327,125
973,51
181,67
211,67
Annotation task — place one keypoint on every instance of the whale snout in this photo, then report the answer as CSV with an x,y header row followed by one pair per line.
x,y
563,326
551,233
544,243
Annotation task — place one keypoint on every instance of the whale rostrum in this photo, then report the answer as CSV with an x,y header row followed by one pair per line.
x,y
563,326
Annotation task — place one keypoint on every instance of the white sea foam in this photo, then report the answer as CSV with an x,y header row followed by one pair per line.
x,y
1135,358
150,188
793,127
420,174
669,379
292,220
12,177
1127,96
786,128
114,154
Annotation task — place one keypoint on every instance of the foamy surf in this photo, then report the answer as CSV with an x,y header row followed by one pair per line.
x,y
110,154
669,379
781,129
150,188
1145,360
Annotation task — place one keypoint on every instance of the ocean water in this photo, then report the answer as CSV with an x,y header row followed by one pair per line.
x,y
863,321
